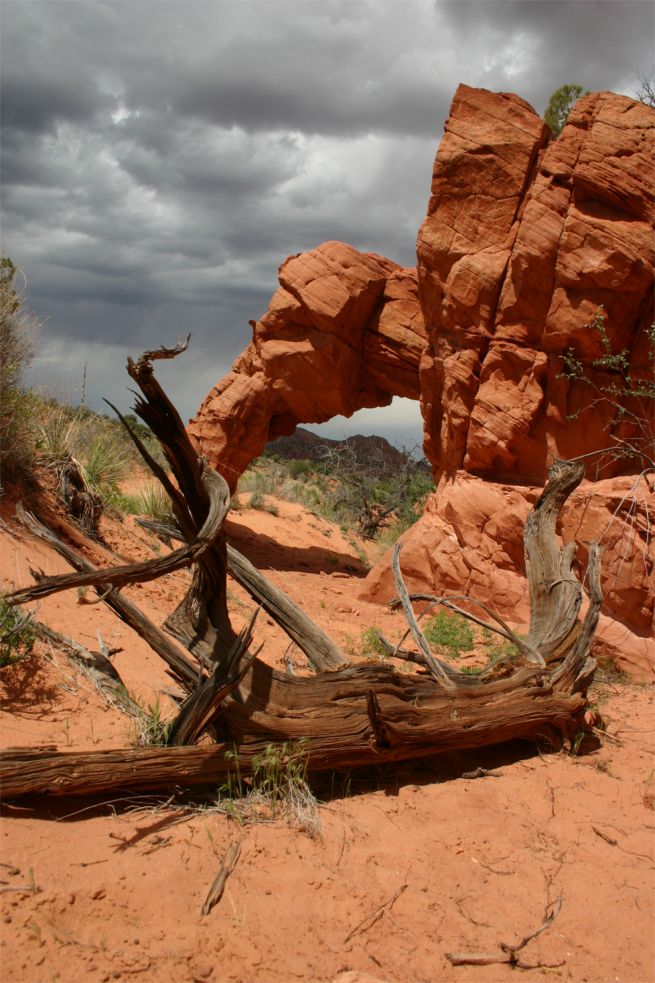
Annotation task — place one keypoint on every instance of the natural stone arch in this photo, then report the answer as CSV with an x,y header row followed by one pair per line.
x,y
343,332
524,239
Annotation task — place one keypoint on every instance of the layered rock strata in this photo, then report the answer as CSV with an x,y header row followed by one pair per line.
x,y
525,239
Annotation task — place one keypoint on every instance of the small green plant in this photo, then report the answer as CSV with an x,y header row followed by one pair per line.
x,y
577,741
277,789
17,634
372,646
151,729
449,631
498,647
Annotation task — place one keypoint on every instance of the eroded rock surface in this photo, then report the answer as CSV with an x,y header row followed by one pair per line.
x,y
344,331
524,239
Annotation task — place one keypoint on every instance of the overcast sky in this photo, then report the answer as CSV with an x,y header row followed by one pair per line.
x,y
160,160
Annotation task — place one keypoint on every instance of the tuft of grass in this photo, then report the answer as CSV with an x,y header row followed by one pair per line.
x,y
151,729
17,634
278,789
449,631
371,645
58,434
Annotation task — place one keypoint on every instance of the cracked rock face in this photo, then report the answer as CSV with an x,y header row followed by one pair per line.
x,y
524,239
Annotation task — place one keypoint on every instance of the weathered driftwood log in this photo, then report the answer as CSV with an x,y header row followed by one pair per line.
x,y
360,716
345,718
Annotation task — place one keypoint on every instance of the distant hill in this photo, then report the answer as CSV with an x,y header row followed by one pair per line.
x,y
305,445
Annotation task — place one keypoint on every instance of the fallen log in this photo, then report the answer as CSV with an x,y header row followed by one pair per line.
x,y
365,715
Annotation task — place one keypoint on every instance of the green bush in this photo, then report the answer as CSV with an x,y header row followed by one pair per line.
x,y
498,647
17,634
301,467
449,631
17,330
630,398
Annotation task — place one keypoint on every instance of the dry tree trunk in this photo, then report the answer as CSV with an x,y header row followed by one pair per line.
x,y
341,719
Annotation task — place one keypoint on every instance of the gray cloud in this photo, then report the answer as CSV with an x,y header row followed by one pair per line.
x,y
160,160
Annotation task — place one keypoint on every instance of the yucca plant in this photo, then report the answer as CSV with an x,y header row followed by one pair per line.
x,y
154,502
58,435
106,463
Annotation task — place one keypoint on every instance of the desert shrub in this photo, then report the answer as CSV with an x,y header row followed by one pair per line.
x,y
263,478
106,462
301,467
449,631
374,495
366,496
17,634
58,432
17,331
630,397
103,449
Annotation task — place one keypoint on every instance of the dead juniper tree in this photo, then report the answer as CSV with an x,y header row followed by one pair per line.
x,y
343,716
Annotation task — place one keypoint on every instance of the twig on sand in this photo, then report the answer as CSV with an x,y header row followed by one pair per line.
x,y
376,915
216,890
510,951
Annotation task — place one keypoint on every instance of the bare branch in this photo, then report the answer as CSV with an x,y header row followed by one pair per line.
x,y
433,665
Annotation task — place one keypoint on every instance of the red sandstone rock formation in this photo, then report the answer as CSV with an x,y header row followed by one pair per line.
x,y
520,246
524,239
343,331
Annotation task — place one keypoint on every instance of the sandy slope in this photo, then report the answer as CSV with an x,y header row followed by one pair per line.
x,y
470,862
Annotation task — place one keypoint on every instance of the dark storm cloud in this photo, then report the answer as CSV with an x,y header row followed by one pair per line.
x,y
160,160
599,44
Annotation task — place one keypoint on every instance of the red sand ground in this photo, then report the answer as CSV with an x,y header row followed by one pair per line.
x,y
470,863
